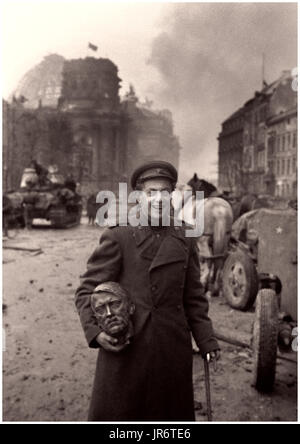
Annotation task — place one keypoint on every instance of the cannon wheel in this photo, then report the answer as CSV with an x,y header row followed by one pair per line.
x,y
240,280
265,339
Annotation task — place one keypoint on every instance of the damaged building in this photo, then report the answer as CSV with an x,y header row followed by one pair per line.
x,y
70,113
258,142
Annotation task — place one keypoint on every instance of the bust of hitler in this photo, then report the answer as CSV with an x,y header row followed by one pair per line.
x,y
113,308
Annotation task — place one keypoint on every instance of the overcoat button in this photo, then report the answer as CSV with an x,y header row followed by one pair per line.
x,y
185,267
154,288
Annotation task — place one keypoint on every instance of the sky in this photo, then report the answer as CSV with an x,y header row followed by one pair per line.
x,y
200,60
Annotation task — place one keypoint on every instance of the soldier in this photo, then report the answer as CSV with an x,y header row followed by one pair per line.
x,y
91,208
150,377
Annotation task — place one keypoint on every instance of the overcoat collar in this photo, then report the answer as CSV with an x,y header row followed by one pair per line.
x,y
173,247
141,233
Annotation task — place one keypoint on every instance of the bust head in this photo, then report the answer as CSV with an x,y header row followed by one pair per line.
x,y
113,308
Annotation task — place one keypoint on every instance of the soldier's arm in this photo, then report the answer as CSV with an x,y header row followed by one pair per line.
x,y
103,265
196,305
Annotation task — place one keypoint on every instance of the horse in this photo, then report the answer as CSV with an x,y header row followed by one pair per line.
x,y
213,244
197,184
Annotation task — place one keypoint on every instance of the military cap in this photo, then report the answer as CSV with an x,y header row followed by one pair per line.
x,y
152,170
113,288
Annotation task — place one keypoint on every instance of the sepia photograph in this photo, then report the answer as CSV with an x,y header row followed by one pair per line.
x,y
149,214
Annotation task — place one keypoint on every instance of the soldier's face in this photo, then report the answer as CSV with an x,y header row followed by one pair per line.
x,y
158,195
112,312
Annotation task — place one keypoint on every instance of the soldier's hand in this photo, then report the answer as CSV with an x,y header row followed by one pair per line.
x,y
109,343
213,357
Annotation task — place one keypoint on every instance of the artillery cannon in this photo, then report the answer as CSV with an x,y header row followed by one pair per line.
x,y
261,269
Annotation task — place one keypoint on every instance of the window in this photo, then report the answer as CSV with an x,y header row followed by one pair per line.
x,y
283,142
288,167
294,140
270,166
282,167
277,144
270,146
263,113
288,140
294,164
278,168
261,158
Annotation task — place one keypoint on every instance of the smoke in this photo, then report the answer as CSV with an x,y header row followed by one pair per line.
x,y
209,60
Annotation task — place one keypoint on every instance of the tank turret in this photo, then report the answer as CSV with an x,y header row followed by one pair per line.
x,y
43,194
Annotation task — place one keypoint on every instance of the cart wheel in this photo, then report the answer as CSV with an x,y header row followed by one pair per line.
x,y
265,337
240,281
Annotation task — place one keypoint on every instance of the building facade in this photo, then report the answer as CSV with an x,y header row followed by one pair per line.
x,y
149,133
282,153
90,100
231,152
88,131
268,124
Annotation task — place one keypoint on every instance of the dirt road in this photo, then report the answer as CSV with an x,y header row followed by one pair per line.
x,y
48,368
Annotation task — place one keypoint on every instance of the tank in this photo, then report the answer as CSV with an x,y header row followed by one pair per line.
x,y
43,194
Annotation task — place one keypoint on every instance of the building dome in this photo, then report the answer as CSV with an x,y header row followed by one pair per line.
x,y
42,83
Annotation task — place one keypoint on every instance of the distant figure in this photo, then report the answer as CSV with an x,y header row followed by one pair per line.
x,y
201,185
70,183
41,172
91,209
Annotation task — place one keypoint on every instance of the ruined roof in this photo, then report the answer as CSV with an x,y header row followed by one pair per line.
x,y
42,82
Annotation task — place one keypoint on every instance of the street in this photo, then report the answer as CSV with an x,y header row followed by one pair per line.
x,y
48,368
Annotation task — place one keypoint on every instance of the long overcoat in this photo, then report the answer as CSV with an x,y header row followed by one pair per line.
x,y
151,379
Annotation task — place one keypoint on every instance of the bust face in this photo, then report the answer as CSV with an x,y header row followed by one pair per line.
x,y
112,312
